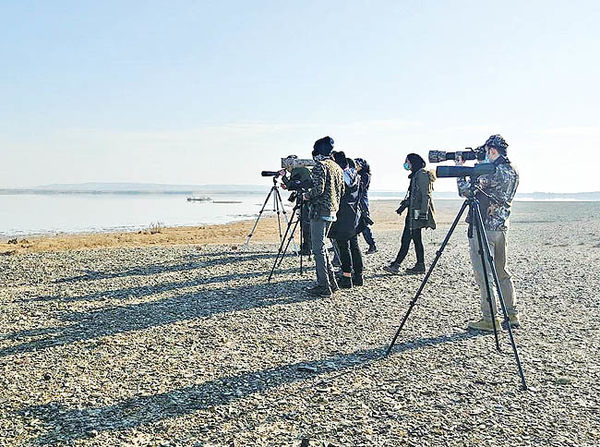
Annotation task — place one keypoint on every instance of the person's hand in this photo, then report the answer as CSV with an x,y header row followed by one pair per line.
x,y
283,186
458,161
282,172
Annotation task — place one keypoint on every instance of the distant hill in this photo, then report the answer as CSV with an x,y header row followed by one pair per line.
x,y
158,188
133,188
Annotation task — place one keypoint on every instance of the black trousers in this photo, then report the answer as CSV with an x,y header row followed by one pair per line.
x,y
350,255
407,236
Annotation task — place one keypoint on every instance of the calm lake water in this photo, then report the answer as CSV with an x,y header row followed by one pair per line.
x,y
28,214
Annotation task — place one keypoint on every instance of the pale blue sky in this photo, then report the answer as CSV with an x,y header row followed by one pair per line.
x,y
215,91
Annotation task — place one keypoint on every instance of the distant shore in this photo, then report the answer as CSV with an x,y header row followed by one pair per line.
x,y
383,213
231,233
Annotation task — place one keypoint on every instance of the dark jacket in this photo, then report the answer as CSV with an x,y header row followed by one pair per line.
x,y
327,189
299,178
349,220
421,189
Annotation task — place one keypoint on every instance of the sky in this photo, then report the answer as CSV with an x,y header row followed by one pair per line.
x,y
213,92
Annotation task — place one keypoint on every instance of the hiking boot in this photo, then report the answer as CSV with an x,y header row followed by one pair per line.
x,y
418,268
372,249
357,280
484,325
345,282
392,268
515,322
324,292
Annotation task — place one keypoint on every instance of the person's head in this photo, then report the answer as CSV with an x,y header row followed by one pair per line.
x,y
361,165
414,162
495,146
340,159
323,147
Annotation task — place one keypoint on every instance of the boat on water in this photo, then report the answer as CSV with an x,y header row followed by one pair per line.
x,y
199,199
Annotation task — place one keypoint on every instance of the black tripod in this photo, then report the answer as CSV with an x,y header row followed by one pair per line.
x,y
476,221
297,218
277,208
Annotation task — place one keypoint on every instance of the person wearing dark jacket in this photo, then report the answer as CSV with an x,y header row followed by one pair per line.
x,y
348,225
364,170
421,213
324,198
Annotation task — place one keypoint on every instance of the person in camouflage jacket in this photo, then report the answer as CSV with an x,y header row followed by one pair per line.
x,y
496,194
324,197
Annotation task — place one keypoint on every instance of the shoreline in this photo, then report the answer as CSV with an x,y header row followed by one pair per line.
x,y
234,232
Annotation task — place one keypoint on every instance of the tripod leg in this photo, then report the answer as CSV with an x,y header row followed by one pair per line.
x,y
278,211
280,251
482,256
259,215
438,254
285,218
289,239
500,297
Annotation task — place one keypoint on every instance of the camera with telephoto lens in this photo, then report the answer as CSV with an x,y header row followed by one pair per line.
x,y
468,154
290,162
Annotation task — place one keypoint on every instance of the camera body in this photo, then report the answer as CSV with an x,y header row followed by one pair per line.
x,y
468,154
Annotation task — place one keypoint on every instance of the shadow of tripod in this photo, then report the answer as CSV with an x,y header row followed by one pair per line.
x,y
476,222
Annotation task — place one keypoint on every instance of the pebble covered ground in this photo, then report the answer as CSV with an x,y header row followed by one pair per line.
x,y
190,346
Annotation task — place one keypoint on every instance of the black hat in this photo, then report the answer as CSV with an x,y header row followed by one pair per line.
x,y
323,146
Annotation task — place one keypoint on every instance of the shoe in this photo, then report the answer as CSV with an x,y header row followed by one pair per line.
x,y
392,268
324,292
418,268
372,249
305,252
515,322
484,325
345,282
357,280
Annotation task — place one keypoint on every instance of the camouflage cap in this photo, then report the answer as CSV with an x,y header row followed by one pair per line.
x,y
497,142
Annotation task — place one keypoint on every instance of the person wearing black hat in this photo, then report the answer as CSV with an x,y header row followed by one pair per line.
x,y
348,225
324,198
497,191
364,171
421,213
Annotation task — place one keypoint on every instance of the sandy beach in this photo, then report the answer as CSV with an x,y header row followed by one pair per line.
x,y
176,339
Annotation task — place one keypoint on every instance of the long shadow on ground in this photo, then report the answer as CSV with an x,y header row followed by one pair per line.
x,y
216,258
137,411
119,319
140,291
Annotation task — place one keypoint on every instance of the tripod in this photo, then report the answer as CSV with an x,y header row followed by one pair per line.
x,y
292,225
476,221
277,208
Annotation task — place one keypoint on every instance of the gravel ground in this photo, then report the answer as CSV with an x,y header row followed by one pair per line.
x,y
190,346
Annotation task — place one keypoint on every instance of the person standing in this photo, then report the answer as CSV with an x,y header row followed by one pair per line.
x,y
421,213
497,191
299,177
364,170
348,224
324,198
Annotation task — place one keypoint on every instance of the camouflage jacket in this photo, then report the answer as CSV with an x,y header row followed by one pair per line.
x,y
499,190
327,189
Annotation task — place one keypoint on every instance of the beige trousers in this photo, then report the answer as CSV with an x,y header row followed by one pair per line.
x,y
497,244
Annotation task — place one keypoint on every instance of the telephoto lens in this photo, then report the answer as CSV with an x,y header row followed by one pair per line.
x,y
465,171
270,173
